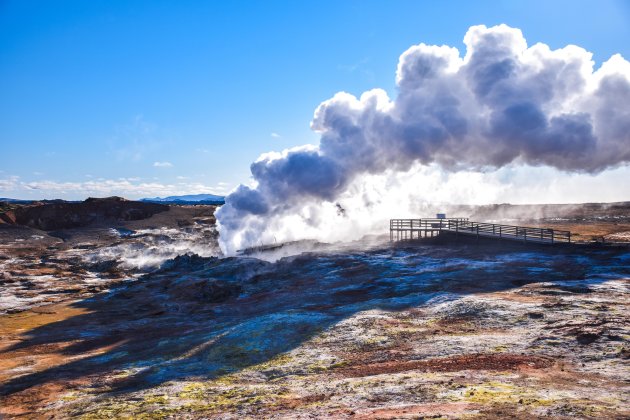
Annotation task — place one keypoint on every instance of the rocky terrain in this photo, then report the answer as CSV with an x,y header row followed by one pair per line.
x,y
118,240
144,319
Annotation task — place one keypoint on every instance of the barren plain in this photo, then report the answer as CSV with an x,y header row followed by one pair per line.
x,y
139,316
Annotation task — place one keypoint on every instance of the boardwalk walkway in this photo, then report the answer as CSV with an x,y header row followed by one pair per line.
x,y
412,229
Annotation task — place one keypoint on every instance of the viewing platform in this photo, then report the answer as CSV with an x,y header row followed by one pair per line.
x,y
415,229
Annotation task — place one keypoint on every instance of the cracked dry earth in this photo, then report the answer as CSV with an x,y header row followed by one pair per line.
x,y
376,332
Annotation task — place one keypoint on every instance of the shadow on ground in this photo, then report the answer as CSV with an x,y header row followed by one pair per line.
x,y
205,317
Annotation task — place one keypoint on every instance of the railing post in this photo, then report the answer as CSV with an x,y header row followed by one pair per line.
x,y
500,231
524,235
569,236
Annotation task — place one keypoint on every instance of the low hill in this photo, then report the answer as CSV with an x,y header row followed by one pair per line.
x,y
64,214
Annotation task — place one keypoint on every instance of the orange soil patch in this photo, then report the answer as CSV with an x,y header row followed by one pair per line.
x,y
516,295
293,403
22,322
565,375
41,271
29,403
418,410
32,359
13,329
587,231
49,388
494,362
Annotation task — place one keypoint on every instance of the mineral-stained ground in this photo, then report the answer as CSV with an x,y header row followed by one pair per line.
x,y
95,325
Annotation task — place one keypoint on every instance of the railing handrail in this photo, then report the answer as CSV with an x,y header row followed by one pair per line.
x,y
466,220
496,229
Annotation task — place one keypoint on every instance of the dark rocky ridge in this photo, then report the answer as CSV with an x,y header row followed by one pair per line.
x,y
68,215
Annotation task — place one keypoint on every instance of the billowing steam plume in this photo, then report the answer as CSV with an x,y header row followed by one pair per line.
x,y
501,103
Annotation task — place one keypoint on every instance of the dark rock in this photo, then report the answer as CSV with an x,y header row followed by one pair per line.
x,y
204,290
587,338
613,337
106,266
187,262
575,289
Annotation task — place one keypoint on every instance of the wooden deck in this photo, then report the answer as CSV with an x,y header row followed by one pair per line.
x,y
413,229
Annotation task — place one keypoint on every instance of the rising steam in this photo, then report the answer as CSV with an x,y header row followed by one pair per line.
x,y
502,103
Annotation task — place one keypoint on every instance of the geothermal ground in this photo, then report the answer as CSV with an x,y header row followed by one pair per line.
x,y
142,318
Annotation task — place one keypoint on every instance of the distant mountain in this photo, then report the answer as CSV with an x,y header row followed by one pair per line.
x,y
193,198
15,201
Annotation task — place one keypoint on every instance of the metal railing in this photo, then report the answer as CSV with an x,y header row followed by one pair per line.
x,y
408,229
404,229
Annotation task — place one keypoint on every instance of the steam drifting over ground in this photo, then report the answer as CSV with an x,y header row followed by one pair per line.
x,y
147,249
503,104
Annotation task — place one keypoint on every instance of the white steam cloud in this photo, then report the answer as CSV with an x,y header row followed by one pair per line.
x,y
502,104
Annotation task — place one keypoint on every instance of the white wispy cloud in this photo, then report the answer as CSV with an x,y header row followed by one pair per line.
x,y
163,164
126,187
275,135
10,183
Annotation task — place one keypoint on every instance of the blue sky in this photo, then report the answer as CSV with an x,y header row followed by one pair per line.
x,y
145,98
